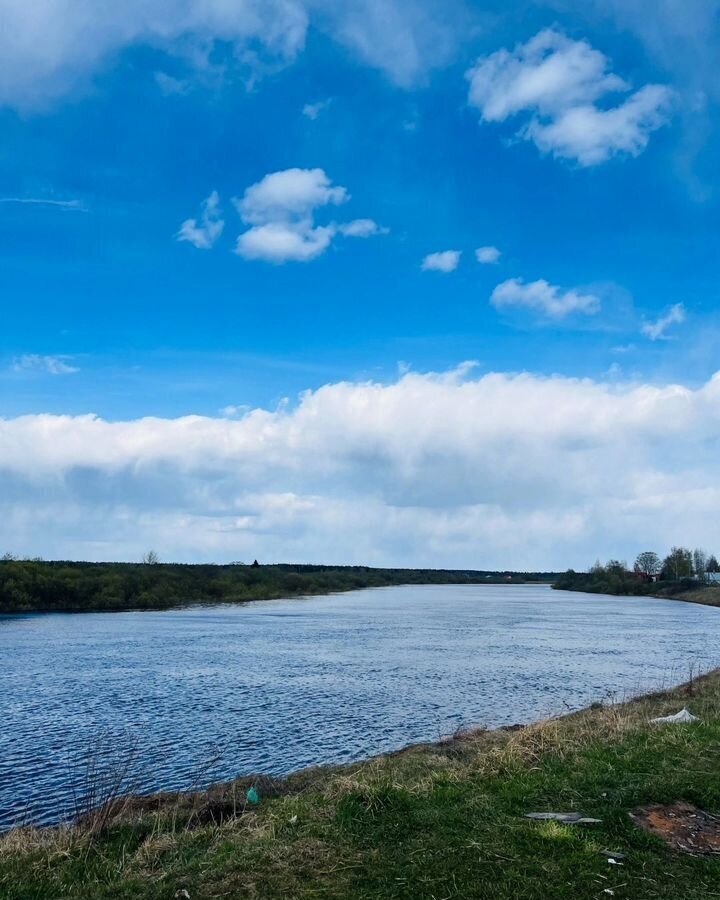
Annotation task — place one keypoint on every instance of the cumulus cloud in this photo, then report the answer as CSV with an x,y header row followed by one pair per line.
x,y
50,48
49,365
487,255
432,469
203,233
543,297
656,331
280,210
559,83
443,261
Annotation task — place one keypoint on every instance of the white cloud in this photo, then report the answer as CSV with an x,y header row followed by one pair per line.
x,y
656,330
51,48
204,233
487,255
545,298
444,261
432,469
231,411
280,242
288,195
49,365
312,110
558,83
362,228
73,205
281,211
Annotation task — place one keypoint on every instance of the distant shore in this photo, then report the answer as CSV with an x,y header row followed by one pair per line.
x,y
687,590
39,586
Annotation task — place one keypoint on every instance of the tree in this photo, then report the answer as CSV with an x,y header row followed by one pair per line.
x,y
712,564
151,558
678,564
700,563
647,563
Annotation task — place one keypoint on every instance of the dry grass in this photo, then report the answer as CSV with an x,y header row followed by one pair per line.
x,y
397,824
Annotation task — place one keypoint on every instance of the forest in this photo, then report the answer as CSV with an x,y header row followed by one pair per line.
x,y
40,586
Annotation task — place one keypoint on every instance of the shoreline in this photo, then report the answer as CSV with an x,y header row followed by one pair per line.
x,y
443,819
310,777
705,595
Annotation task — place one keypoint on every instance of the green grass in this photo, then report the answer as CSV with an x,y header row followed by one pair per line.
x,y
437,821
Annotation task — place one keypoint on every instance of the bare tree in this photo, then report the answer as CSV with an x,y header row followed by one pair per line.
x,y
647,563
678,564
700,563
151,558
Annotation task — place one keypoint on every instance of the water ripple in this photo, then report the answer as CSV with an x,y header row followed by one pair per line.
x,y
186,697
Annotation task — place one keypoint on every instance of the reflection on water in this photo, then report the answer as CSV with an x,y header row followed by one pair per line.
x,y
203,694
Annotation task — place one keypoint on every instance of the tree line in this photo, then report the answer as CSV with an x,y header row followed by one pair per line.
x,y
681,566
35,585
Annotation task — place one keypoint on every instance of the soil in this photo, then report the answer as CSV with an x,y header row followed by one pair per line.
x,y
683,826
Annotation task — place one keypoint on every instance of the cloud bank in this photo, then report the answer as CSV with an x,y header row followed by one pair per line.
x,y
433,469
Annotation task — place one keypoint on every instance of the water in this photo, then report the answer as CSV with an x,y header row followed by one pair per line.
x,y
206,693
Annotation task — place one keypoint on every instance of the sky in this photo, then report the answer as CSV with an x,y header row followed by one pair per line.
x,y
387,283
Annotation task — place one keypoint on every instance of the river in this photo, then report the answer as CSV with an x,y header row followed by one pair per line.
x,y
201,694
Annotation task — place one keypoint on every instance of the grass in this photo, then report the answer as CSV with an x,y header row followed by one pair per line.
x,y
705,594
432,822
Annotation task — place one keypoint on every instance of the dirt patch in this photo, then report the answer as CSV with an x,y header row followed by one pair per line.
x,y
683,826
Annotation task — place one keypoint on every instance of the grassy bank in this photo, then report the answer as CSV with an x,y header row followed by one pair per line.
x,y
627,584
37,586
440,821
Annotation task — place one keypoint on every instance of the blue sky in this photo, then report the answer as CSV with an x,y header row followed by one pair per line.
x,y
578,140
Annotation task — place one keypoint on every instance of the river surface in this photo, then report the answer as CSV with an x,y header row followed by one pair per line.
x,y
201,694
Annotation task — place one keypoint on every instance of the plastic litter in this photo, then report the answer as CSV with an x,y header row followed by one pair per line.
x,y
610,855
253,796
679,718
565,818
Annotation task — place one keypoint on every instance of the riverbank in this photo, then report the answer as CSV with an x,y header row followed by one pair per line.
x,y
434,821
39,586
628,585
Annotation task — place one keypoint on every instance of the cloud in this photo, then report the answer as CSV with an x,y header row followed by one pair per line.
x,y
558,83
487,255
281,211
656,330
544,298
49,365
362,228
403,38
312,110
444,261
51,48
204,234
73,205
449,469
